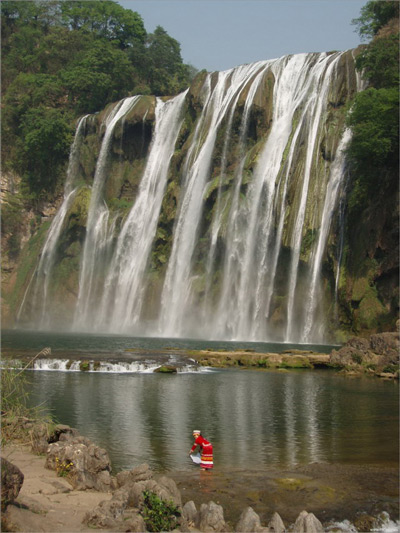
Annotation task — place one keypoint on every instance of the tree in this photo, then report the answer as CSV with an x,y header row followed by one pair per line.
x,y
106,19
374,15
99,75
44,143
165,71
373,152
380,62
63,58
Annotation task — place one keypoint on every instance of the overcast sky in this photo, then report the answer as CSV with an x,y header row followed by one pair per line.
x,y
221,34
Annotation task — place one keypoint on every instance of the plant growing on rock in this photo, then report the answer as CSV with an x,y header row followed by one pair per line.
x,y
158,514
63,468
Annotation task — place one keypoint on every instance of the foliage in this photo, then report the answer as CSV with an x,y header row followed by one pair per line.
x,y
374,122
165,72
14,399
62,59
373,152
158,514
374,15
63,468
380,62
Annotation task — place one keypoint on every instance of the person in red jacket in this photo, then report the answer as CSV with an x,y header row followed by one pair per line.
x,y
206,450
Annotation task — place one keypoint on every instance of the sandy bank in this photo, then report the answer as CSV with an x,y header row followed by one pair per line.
x,y
46,502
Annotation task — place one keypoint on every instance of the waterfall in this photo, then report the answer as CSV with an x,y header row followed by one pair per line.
x,y
42,274
334,187
322,77
124,288
176,295
246,170
98,234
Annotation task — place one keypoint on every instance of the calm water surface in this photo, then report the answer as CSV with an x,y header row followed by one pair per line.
x,y
254,419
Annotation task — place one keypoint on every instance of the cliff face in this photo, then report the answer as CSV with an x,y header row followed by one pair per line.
x,y
217,213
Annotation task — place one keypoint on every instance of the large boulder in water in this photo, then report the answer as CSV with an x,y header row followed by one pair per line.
x,y
379,353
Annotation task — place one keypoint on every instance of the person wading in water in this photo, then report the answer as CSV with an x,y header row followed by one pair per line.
x,y
206,450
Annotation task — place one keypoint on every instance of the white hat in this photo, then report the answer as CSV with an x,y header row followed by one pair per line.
x,y
196,431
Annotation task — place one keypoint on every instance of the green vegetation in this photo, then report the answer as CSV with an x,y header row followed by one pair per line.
x,y
62,59
374,15
374,115
158,514
17,417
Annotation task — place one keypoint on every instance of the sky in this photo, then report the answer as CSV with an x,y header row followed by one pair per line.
x,y
222,34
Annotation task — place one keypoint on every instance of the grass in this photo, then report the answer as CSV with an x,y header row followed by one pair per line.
x,y
17,417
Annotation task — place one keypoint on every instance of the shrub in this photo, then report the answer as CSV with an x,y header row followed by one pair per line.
x,y
158,514
16,415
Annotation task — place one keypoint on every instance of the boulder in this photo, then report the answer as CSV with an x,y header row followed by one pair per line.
x,y
139,473
85,465
122,512
359,343
189,513
380,350
276,524
249,521
106,514
364,522
307,523
11,482
211,518
41,436
165,488
387,345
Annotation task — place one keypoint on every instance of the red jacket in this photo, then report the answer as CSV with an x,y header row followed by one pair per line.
x,y
205,446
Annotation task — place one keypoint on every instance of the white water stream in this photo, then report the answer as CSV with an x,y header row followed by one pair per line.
x,y
254,214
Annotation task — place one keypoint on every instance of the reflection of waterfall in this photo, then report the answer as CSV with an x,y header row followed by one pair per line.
x,y
259,419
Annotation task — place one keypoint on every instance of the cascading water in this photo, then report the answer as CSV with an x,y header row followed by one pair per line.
x,y
122,300
176,297
42,274
257,176
98,232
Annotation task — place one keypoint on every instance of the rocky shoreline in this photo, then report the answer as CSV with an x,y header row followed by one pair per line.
x,y
72,469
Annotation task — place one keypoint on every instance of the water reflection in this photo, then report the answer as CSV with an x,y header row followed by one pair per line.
x,y
254,419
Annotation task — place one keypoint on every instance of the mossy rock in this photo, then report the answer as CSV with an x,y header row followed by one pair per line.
x,y
370,310
295,362
84,366
78,212
166,369
289,483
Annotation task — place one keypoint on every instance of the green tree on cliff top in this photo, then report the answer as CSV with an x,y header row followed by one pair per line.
x,y
374,115
62,59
